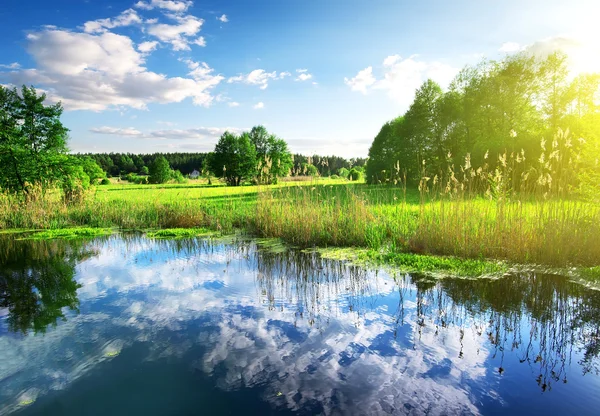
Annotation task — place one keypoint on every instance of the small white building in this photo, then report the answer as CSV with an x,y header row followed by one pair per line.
x,y
194,174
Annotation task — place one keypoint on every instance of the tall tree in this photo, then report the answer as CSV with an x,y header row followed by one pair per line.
x,y
160,171
33,141
234,158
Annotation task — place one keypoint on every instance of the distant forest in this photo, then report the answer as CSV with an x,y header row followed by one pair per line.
x,y
116,164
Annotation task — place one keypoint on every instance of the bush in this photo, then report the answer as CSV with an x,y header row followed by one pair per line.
x,y
343,172
178,177
105,181
334,177
354,174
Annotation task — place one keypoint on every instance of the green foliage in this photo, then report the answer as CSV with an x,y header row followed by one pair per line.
x,y
343,173
234,158
105,181
310,169
75,181
160,171
33,141
273,157
492,109
354,174
178,177
92,170
144,170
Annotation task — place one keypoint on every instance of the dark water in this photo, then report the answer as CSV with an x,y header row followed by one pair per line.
x,y
127,326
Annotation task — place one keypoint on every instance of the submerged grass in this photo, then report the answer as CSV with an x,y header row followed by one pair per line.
x,y
418,263
171,233
69,233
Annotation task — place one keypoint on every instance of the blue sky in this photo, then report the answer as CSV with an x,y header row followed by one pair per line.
x,y
172,75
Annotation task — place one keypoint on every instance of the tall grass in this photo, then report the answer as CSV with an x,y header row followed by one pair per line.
x,y
497,210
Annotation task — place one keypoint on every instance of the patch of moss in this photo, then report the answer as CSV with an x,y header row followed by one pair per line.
x,y
437,266
69,233
172,233
272,245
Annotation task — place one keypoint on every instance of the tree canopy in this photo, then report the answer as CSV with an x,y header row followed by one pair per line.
x,y
508,106
33,141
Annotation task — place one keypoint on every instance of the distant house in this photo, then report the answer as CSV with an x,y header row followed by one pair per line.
x,y
194,174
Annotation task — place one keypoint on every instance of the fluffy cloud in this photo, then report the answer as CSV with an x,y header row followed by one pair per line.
x,y
147,47
223,18
200,41
303,75
362,81
233,104
401,77
583,54
177,34
100,71
258,77
176,6
126,18
259,106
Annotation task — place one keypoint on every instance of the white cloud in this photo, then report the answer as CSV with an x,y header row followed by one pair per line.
x,y
118,131
223,18
363,80
178,34
259,105
233,104
177,6
146,47
14,65
401,77
583,54
169,134
126,18
510,47
303,75
200,41
258,77
97,72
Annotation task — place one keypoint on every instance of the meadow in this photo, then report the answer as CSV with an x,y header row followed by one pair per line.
x,y
386,219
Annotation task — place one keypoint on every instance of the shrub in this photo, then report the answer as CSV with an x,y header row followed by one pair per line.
x,y
105,181
354,174
334,177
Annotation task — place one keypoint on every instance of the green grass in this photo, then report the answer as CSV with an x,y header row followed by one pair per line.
x,y
69,233
387,221
438,266
172,233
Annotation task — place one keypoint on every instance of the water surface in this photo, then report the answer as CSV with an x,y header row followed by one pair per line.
x,y
126,325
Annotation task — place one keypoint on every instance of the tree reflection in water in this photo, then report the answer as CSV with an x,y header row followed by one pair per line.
x,y
542,319
37,280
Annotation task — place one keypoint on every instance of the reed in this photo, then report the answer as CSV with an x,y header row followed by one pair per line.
x,y
495,211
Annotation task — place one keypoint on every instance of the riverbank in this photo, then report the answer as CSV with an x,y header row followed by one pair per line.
x,y
389,220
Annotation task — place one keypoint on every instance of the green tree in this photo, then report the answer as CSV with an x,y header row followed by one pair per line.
x,y
160,170
92,170
33,141
234,158
274,160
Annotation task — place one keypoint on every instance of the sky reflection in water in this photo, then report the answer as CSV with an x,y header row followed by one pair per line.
x,y
128,324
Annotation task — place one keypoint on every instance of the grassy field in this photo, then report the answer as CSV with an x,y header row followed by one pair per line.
x,y
325,212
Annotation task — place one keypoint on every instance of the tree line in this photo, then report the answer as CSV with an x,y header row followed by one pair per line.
x,y
514,106
120,164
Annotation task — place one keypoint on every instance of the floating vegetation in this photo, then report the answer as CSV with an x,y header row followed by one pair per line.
x,y
69,233
180,233
438,266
